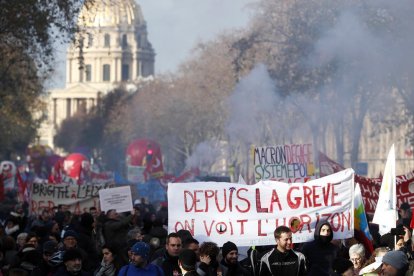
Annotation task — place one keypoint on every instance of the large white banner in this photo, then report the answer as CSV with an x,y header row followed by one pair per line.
x,y
248,214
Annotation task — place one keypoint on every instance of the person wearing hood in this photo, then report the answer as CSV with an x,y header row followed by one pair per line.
x,y
321,253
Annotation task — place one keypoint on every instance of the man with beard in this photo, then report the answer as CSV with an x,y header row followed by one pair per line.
x,y
139,265
230,264
395,263
321,253
72,264
283,260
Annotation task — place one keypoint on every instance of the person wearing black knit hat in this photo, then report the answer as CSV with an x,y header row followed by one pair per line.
x,y
70,239
394,263
230,264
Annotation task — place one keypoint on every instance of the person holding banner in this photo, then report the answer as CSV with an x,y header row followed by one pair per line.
x,y
321,253
283,260
116,228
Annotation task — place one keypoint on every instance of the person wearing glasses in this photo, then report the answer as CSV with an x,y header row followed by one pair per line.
x,y
357,257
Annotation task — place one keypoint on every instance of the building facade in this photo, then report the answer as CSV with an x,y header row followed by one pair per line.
x,y
111,49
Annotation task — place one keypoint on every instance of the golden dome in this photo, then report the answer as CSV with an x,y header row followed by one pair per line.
x,y
110,13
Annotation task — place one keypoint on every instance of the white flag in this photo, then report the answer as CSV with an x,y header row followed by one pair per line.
x,y
386,213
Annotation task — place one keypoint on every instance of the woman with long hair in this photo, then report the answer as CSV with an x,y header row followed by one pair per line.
x,y
110,264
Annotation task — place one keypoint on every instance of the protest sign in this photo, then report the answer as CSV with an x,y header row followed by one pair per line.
x,y
118,198
284,163
248,214
370,187
79,198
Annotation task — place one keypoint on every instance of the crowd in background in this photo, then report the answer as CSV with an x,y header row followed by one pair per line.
x,y
58,242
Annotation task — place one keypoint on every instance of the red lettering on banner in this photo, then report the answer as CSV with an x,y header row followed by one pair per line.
x,y
77,210
231,200
293,205
259,208
275,199
305,220
326,194
186,207
259,228
346,218
208,194
277,222
186,226
336,224
208,231
223,209
307,192
197,200
333,194
242,199
310,196
315,198
242,221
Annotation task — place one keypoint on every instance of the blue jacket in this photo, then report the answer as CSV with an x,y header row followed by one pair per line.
x,y
149,270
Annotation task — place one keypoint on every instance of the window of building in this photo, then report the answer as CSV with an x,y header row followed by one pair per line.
x,y
81,106
68,108
90,40
124,41
106,72
80,74
88,72
125,72
107,40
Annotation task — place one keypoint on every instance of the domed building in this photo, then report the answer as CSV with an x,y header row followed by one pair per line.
x,y
111,49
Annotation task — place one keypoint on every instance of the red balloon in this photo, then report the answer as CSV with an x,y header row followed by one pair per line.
x,y
75,164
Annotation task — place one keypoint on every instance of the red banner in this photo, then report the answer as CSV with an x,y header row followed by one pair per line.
x,y
370,187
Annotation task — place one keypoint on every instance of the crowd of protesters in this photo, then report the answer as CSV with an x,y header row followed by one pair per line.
x,y
57,242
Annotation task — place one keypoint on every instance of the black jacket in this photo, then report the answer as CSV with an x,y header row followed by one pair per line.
x,y
320,253
287,263
169,264
233,270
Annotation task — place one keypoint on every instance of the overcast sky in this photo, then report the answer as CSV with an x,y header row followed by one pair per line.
x,y
175,26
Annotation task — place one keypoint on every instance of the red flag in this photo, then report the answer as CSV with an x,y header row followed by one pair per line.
x,y
21,187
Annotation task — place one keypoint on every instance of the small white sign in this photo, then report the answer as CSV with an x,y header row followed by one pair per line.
x,y
119,199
